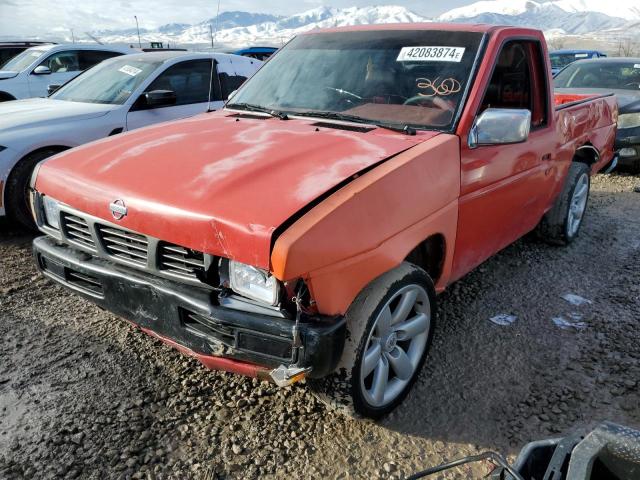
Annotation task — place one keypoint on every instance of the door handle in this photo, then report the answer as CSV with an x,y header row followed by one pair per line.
x,y
546,156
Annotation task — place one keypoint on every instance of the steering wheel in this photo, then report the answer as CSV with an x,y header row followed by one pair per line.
x,y
434,101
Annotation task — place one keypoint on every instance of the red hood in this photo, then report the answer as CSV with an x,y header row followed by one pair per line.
x,y
215,183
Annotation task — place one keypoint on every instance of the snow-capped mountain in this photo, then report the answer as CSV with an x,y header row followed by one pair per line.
x,y
241,28
563,16
236,29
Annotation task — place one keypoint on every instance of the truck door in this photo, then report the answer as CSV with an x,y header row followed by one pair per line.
x,y
189,80
505,188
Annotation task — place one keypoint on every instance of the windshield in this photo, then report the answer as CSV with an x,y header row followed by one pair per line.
x,y
411,78
23,60
560,60
614,75
110,82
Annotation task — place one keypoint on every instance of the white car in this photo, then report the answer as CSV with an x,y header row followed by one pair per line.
x,y
29,73
115,96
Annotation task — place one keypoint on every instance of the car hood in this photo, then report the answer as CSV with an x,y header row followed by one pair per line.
x,y
218,182
628,100
36,112
4,74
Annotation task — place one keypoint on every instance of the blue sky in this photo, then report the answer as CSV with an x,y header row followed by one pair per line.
x,y
23,18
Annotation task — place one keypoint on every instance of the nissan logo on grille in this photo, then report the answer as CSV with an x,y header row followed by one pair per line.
x,y
118,209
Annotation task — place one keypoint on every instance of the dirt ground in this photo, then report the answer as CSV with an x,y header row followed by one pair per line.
x,y
85,395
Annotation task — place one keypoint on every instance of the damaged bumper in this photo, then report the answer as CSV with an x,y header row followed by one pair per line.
x,y
189,318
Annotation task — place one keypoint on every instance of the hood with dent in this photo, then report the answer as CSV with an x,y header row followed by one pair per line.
x,y
216,183
4,74
44,112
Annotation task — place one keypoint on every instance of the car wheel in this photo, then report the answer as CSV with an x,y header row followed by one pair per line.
x,y
561,225
17,189
390,328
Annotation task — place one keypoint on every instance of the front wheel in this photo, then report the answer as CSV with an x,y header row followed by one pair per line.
x,y
562,223
17,190
390,327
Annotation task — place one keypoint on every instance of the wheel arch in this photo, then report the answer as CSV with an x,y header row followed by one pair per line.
x,y
56,148
6,96
587,154
430,255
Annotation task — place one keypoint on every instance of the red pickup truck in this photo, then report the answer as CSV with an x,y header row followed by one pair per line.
x,y
304,230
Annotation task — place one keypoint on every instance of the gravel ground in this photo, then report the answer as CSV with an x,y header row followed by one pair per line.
x,y
85,395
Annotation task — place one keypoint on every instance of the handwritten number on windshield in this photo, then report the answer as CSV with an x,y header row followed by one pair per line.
x,y
437,87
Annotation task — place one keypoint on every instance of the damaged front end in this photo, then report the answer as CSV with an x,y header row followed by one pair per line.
x,y
207,307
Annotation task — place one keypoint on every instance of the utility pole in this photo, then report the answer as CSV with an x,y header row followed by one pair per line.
x,y
217,19
138,29
73,38
211,35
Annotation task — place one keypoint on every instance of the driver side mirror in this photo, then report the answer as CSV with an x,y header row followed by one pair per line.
x,y
41,70
51,88
160,98
500,126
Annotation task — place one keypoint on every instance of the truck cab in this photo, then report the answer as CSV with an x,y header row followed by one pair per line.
x,y
363,170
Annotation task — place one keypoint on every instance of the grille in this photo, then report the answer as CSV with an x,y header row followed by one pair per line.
x,y
124,245
181,261
78,231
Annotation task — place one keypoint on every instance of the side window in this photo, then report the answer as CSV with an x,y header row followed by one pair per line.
x,y
230,82
61,62
519,81
89,58
189,80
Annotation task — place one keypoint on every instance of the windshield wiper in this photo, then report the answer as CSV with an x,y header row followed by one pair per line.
x,y
249,107
406,129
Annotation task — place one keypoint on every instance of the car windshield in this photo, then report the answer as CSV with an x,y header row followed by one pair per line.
x,y
614,75
23,60
561,60
413,78
110,82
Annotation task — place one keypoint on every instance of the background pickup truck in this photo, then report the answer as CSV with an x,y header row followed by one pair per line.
x,y
305,230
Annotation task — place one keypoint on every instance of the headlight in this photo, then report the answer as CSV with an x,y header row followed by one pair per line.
x,y
629,120
253,283
51,212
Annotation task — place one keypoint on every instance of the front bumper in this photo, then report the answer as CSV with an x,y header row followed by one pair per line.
x,y
628,139
190,319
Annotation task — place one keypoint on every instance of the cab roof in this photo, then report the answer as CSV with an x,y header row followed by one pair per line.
x,y
452,27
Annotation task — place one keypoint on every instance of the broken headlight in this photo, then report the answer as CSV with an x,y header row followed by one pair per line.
x,y
253,283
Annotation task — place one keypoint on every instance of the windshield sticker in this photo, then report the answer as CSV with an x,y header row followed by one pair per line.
x,y
582,55
431,88
129,70
431,54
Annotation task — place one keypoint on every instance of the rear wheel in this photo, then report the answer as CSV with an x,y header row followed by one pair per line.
x,y
561,225
390,329
17,190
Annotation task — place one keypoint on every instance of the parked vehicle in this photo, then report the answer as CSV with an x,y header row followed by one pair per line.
x,y
29,73
8,50
118,95
622,77
259,53
304,230
562,58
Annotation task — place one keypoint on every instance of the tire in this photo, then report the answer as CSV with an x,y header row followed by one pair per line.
x,y
396,357
17,189
561,225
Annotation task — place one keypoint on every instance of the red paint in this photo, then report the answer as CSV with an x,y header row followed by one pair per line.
x,y
212,183
223,186
216,363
